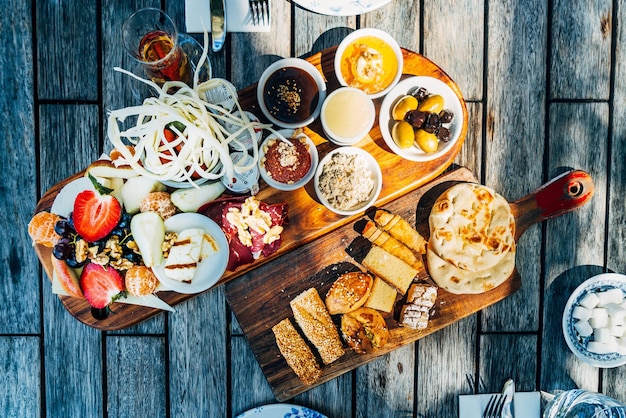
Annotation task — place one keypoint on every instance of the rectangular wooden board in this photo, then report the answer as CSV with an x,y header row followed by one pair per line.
x,y
260,299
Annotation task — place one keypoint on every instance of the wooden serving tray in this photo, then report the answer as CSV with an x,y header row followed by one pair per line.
x,y
308,219
261,299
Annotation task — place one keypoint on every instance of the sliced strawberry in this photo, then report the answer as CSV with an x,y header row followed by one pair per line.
x,y
95,215
100,285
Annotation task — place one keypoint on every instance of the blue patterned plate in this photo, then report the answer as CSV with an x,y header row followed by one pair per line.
x,y
574,341
281,410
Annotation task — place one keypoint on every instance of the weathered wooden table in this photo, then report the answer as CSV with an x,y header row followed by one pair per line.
x,y
543,84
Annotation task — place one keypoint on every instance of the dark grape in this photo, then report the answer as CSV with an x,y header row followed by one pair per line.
x,y
125,220
63,228
62,251
71,261
100,313
64,240
133,257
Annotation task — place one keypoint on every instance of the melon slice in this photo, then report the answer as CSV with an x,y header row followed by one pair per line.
x,y
67,277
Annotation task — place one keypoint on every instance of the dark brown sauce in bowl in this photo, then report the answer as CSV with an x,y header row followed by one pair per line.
x,y
291,95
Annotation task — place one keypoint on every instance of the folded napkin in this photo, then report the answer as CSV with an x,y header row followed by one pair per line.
x,y
526,404
238,18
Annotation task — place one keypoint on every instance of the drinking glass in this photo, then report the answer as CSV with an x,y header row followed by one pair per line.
x,y
580,403
150,36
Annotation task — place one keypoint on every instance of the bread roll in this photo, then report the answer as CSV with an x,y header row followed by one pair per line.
x,y
313,318
400,229
381,238
348,292
416,312
296,352
365,330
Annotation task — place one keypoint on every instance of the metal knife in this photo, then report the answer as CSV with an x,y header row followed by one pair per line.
x,y
218,24
508,390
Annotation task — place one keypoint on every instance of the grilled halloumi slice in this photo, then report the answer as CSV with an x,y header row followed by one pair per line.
x,y
185,255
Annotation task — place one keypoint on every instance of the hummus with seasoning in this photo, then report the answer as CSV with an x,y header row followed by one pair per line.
x,y
369,64
286,162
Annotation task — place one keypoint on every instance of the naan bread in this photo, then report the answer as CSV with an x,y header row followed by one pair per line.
x,y
458,281
471,227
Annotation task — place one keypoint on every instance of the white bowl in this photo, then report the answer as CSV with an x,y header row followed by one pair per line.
x,y
355,111
287,133
376,33
450,102
318,84
211,268
370,163
578,344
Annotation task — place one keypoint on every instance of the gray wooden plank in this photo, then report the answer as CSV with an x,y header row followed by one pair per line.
x,y
573,241
386,385
446,359
246,374
581,49
453,38
19,287
20,376
67,50
514,148
198,350
517,361
317,32
471,153
614,380
72,351
331,399
401,19
136,376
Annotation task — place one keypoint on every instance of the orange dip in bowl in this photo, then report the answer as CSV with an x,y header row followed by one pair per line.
x,y
369,63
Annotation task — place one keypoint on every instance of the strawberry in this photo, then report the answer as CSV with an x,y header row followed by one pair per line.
x,y
101,285
96,214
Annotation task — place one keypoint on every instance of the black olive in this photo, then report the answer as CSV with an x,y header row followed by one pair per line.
x,y
443,134
420,94
416,118
446,116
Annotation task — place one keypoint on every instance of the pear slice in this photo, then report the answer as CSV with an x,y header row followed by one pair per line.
x,y
148,231
135,189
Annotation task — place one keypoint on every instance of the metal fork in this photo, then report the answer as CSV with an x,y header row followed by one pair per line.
x,y
494,406
260,12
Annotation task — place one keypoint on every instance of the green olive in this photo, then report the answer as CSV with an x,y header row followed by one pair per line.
x,y
426,141
403,134
404,105
432,104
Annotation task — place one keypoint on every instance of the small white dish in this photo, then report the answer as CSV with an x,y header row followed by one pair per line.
x,y
287,133
370,163
578,344
386,39
450,102
211,268
525,404
347,115
341,8
310,79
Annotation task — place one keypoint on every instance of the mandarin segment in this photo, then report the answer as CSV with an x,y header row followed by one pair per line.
x,y
41,229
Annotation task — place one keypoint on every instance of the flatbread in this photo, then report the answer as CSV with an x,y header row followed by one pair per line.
x,y
471,227
458,281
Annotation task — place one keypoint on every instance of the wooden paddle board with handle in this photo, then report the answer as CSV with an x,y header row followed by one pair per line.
x,y
308,218
260,299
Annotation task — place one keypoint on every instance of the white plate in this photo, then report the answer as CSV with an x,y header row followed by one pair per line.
x,y
434,86
210,268
281,410
603,281
370,163
341,7
287,133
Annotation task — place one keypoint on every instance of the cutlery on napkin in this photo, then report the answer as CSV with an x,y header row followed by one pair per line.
x,y
525,405
237,14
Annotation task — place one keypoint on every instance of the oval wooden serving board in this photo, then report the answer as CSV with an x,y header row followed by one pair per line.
x,y
308,219
261,299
